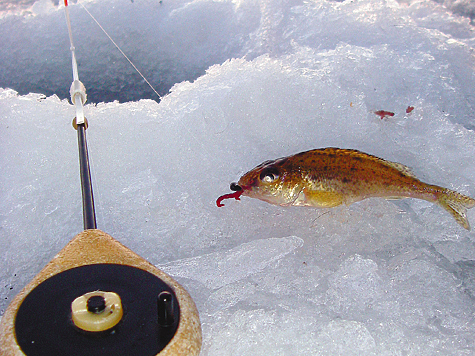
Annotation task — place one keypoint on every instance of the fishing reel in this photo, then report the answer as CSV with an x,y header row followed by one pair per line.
x,y
97,297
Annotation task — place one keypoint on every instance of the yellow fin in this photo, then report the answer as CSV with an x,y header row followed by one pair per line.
x,y
401,168
456,204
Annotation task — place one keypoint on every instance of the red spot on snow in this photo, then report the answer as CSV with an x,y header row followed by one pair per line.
x,y
409,109
384,113
234,195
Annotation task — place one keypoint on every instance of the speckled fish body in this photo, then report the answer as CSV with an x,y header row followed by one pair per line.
x,y
329,177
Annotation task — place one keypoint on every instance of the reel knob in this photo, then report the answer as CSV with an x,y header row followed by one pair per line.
x,y
97,311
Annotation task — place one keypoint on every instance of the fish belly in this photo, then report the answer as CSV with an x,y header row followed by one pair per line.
x,y
319,198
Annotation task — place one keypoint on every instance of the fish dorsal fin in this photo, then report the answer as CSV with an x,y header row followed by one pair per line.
x,y
355,153
401,168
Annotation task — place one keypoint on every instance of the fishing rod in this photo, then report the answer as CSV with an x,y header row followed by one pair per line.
x,y
97,297
78,98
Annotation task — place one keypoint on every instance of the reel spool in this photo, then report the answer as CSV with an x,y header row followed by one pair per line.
x,y
97,297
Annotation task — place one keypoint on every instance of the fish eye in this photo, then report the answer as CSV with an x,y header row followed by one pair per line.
x,y
268,175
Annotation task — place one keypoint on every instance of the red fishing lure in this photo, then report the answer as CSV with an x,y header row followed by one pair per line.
x,y
235,195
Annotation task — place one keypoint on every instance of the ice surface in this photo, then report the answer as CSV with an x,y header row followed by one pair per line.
x,y
375,278
216,270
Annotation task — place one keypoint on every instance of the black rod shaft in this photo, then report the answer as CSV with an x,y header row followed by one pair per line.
x,y
88,212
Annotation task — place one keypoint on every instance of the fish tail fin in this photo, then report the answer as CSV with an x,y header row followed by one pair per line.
x,y
456,204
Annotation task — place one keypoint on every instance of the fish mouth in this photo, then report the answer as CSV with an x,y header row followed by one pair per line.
x,y
235,187
238,191
244,189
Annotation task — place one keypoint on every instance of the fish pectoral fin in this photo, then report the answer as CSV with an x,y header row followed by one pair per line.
x,y
318,198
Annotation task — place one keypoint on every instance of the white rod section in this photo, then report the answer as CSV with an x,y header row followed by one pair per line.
x,y
77,90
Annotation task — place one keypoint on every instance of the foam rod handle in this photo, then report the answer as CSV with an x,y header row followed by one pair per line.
x,y
87,270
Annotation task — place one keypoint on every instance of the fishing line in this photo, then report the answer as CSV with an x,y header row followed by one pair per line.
x,y
185,127
122,52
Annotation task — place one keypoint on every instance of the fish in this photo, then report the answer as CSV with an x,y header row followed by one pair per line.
x,y
329,177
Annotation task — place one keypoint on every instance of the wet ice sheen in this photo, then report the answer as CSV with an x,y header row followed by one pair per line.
x,y
376,278
216,269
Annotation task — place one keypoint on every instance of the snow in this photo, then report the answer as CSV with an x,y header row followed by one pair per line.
x,y
255,80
